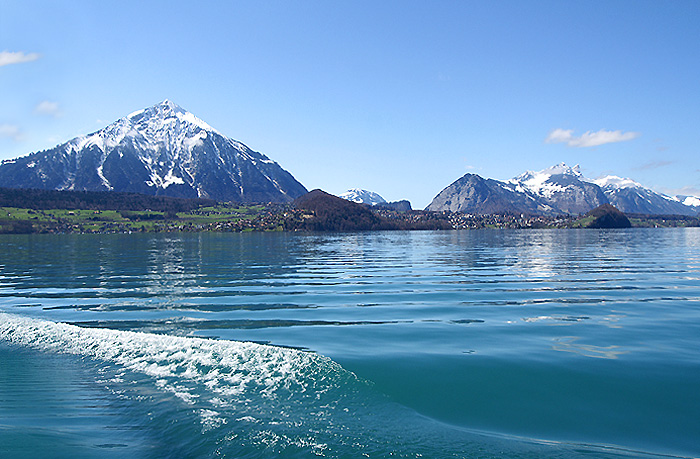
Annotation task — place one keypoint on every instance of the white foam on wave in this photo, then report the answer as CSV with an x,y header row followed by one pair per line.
x,y
184,366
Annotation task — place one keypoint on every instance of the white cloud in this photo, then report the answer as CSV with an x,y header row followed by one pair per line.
x,y
48,108
9,57
10,131
560,136
589,139
653,165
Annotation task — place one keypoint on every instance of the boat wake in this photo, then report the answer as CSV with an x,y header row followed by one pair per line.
x,y
238,399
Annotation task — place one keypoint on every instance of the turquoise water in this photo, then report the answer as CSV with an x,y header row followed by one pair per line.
x,y
490,343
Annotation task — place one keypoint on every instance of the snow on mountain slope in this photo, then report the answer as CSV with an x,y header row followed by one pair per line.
x,y
362,196
614,182
560,187
632,197
541,183
162,149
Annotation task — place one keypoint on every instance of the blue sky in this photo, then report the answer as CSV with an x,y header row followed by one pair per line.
x,y
401,98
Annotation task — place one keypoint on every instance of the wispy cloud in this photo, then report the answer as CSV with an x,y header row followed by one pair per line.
x,y
443,77
9,57
651,165
589,139
685,191
11,131
48,108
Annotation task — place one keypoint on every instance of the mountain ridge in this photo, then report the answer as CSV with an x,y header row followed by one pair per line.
x,y
164,150
559,189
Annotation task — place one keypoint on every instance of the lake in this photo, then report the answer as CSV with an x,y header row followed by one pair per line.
x,y
483,343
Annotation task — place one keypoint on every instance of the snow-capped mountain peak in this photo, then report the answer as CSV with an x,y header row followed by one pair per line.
x,y
562,169
560,186
614,182
363,196
166,113
535,179
164,126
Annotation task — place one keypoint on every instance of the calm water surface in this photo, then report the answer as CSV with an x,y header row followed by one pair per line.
x,y
491,343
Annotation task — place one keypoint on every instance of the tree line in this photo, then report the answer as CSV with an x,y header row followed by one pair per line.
x,y
96,200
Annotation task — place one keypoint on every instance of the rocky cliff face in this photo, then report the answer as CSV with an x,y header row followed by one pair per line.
x,y
474,194
399,206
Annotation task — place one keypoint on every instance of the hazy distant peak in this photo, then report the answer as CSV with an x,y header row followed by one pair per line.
x,y
362,196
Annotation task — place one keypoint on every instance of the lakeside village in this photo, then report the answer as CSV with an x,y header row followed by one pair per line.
x,y
232,217
27,211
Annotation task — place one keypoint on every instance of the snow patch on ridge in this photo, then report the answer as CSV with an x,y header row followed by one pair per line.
x,y
171,179
195,141
188,117
136,113
540,183
691,201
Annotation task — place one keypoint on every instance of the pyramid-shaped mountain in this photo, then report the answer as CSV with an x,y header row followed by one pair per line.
x,y
161,150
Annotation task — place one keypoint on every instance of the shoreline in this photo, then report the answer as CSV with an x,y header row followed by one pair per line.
x,y
260,218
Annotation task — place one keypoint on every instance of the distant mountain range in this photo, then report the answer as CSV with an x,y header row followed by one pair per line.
x,y
161,150
361,196
371,198
559,189
164,150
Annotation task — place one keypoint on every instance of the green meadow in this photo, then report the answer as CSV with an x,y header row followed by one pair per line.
x,y
221,217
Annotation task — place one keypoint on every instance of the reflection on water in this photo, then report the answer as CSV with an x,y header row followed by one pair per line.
x,y
569,344
593,279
